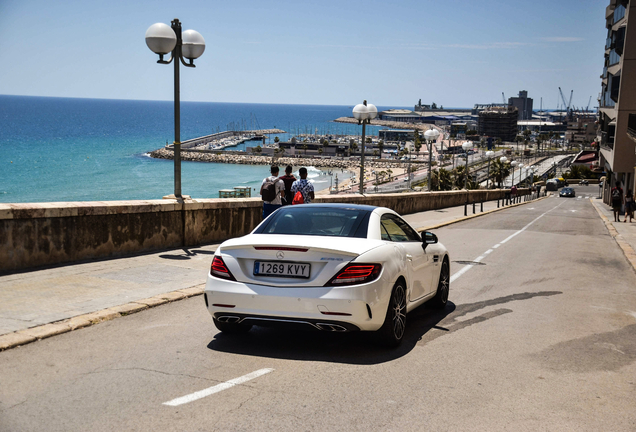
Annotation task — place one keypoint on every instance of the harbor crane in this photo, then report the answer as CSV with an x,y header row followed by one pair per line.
x,y
588,104
504,98
566,106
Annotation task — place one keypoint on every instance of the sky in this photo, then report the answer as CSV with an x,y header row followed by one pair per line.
x,y
392,53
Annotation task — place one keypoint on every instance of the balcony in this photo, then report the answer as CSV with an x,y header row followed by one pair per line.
x,y
607,141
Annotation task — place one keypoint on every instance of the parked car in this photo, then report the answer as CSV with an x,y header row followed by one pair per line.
x,y
551,185
567,192
330,267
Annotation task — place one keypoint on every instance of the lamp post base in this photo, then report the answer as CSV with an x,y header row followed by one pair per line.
x,y
182,197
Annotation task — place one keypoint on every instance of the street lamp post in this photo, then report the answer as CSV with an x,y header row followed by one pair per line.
x,y
513,164
503,160
364,113
430,136
531,172
163,39
489,155
466,146
520,172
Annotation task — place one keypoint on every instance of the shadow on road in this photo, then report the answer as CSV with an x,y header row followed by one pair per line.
x,y
352,348
423,326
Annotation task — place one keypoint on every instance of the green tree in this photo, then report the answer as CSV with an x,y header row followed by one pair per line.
x,y
441,180
418,141
276,140
499,171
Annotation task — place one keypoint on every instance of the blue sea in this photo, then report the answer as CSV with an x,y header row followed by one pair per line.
x,y
65,149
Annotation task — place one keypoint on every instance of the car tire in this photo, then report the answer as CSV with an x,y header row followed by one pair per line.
x,y
443,287
392,331
232,328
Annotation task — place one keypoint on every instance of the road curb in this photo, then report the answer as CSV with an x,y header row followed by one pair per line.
x,y
464,218
23,337
627,249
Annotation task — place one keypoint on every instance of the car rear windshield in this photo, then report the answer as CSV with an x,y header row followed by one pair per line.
x,y
315,220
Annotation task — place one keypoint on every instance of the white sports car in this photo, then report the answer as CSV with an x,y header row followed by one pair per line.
x,y
331,267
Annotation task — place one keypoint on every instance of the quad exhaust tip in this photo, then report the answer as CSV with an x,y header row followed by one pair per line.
x,y
228,319
331,327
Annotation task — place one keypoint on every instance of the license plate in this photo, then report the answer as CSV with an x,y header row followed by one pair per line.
x,y
282,269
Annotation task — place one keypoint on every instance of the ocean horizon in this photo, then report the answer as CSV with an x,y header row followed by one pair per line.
x,y
73,149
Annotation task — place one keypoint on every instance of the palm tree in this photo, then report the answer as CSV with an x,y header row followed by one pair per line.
x,y
499,171
441,180
459,177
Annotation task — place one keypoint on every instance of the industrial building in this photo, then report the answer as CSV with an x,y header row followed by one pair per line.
x,y
618,95
498,121
581,131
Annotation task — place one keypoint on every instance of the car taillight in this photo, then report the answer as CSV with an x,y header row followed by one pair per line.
x,y
220,270
353,274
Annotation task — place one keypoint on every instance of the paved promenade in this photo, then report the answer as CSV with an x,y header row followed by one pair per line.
x,y
43,303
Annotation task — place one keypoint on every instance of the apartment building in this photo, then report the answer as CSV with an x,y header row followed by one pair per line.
x,y
523,104
618,95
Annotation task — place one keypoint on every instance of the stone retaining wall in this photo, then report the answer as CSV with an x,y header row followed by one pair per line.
x,y
44,234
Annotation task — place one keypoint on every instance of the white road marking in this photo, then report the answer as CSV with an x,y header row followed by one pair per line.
x,y
467,267
217,388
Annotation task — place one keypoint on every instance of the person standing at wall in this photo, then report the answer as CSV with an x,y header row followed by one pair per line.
x,y
616,194
288,179
303,186
629,206
272,190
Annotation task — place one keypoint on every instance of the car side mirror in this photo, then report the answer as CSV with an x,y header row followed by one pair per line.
x,y
428,238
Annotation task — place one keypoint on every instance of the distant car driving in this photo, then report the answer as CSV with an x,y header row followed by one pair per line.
x,y
567,192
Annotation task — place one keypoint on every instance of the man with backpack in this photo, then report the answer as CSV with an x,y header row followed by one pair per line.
x,y
272,189
616,194
288,179
302,189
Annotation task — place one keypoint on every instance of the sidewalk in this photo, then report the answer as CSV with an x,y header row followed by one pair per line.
x,y
623,233
42,303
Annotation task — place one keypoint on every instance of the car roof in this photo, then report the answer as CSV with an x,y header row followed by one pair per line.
x,y
365,207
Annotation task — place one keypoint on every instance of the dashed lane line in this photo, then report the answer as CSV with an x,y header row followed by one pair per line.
x,y
477,260
217,388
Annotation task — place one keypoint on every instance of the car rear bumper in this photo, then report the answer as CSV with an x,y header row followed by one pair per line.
x,y
358,307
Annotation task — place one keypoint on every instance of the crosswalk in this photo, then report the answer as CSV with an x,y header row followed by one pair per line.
x,y
579,197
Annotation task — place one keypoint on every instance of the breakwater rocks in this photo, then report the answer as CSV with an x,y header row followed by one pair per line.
x,y
389,123
247,159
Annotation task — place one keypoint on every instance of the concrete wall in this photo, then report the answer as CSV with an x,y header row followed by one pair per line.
x,y
43,234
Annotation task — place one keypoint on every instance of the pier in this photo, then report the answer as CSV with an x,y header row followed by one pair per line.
x,y
222,140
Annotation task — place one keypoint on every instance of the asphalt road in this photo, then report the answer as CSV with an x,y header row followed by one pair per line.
x,y
539,334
